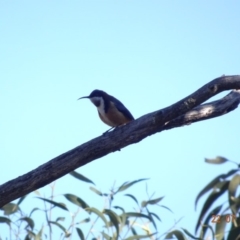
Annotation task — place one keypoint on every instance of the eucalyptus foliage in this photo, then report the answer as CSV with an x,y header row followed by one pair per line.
x,y
112,222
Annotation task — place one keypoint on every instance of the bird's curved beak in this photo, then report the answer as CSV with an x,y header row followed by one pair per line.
x,y
83,97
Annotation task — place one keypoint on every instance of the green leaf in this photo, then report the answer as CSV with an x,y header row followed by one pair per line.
x,y
37,192
60,219
86,220
134,232
96,191
213,183
140,236
204,230
137,215
166,208
55,204
67,234
152,202
29,221
30,234
156,216
143,204
81,177
97,212
190,235
5,220
131,196
10,208
80,233
35,209
76,200
208,219
217,160
27,237
117,207
123,218
178,234
39,234
21,199
126,185
221,187
155,201
234,231
232,188
220,227
114,219
106,236
152,220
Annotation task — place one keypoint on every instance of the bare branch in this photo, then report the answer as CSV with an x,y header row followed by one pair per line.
x,y
185,111
206,111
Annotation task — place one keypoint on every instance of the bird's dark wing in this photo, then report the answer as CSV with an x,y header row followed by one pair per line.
x,y
121,107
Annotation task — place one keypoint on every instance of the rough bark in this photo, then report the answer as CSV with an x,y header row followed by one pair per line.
x,y
185,111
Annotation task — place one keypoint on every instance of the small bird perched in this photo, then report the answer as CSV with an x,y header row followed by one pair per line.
x,y
110,110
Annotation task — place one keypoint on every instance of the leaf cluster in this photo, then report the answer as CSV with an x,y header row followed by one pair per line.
x,y
217,217
110,222
115,222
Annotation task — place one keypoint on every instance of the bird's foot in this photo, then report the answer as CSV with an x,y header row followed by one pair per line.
x,y
110,129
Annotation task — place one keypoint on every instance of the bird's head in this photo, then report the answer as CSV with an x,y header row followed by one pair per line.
x,y
96,96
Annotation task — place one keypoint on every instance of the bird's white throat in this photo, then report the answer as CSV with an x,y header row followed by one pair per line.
x,y
99,103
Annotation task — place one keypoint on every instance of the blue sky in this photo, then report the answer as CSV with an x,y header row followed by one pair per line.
x,y
148,54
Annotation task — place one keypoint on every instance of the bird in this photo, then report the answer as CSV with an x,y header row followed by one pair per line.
x,y
110,110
